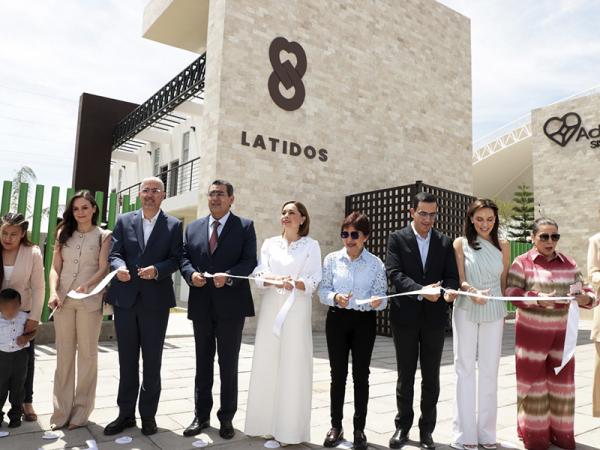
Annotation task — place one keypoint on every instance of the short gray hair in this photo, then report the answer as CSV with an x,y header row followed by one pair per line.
x,y
543,221
153,180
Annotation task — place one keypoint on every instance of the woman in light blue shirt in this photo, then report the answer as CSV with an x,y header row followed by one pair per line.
x,y
351,274
482,260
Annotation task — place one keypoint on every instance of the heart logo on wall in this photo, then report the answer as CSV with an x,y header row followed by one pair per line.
x,y
562,129
287,74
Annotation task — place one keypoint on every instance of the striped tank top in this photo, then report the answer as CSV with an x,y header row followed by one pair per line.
x,y
483,269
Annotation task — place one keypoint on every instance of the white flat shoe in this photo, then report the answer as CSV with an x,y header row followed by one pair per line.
x,y
459,446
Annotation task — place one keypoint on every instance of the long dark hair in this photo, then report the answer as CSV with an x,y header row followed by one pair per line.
x,y
68,224
471,232
15,220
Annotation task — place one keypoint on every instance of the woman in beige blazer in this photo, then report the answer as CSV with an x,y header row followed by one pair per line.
x,y
22,269
80,262
593,263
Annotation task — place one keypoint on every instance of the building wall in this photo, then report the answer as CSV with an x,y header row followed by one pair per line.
x,y
388,95
143,166
566,178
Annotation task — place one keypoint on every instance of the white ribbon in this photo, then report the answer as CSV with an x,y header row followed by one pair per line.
x,y
441,291
283,311
570,343
424,291
103,283
81,295
273,282
571,336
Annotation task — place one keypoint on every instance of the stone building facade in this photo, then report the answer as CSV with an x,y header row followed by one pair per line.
x,y
387,101
566,165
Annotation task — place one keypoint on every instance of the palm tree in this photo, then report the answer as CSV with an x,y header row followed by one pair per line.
x,y
24,175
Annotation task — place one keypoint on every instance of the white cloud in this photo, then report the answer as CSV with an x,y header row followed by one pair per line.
x,y
528,53
525,54
53,51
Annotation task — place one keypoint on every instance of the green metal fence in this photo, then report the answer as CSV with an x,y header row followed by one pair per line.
x,y
37,214
516,249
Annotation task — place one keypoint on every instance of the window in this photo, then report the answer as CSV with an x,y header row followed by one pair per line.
x,y
174,177
162,174
185,147
120,180
156,162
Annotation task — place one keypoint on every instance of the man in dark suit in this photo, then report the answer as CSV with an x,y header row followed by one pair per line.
x,y
146,249
419,256
221,244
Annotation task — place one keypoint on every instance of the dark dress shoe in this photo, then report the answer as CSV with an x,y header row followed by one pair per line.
x,y
334,437
226,431
149,426
196,427
399,439
118,425
427,441
30,417
14,423
360,440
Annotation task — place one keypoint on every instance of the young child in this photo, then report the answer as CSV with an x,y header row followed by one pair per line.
x,y
13,356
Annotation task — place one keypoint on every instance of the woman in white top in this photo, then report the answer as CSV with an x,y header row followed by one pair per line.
x,y
279,397
21,268
477,325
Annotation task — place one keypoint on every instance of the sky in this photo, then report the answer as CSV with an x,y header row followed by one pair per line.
x,y
525,54
51,51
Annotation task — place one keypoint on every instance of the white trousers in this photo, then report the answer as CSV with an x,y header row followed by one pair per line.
x,y
475,415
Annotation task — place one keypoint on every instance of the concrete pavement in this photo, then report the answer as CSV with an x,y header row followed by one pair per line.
x,y
176,406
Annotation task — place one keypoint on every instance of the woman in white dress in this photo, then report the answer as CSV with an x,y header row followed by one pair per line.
x,y
280,393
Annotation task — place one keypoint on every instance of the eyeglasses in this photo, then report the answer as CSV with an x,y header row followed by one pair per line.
x,y
353,234
217,194
545,236
151,191
424,214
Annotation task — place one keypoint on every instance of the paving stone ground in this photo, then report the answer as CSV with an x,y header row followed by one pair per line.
x,y
175,411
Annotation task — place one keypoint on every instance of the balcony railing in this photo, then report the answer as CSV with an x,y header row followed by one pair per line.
x,y
187,84
177,180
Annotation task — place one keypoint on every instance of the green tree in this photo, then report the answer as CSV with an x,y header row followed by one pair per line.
x,y
523,214
505,212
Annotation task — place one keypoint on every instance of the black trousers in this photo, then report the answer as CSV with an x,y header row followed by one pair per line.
x,y
225,337
13,374
423,343
30,371
348,330
138,329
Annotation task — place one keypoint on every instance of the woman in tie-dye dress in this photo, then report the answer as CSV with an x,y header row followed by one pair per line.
x,y
546,401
